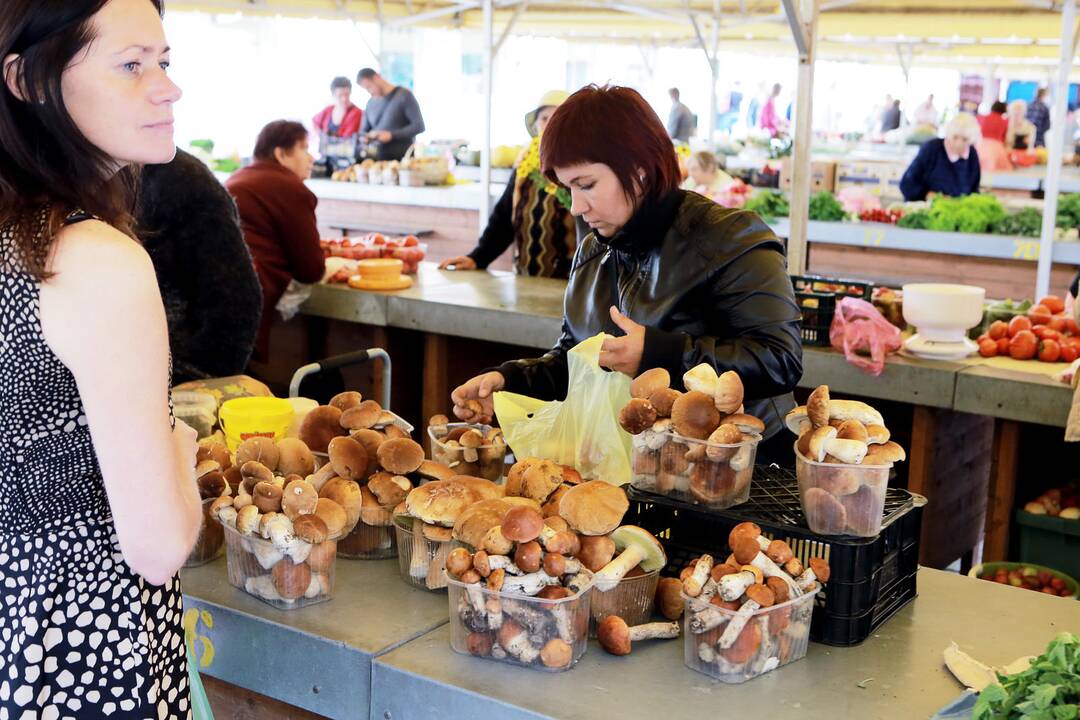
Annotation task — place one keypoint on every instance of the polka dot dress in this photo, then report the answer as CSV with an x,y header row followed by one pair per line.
x,y
81,635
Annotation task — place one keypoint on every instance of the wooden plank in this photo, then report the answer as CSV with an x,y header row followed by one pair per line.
x,y
436,388
232,702
1001,494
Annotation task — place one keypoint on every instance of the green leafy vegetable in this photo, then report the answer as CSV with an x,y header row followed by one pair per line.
x,y
1068,211
768,204
972,213
824,206
1048,690
917,220
1026,222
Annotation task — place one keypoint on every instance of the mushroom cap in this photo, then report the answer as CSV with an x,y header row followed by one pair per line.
x,y
332,515
851,452
435,533
458,561
291,579
551,507
320,426
554,592
554,564
818,406
431,470
802,445
439,421
838,481
669,598
471,438
746,645
747,424
743,529
663,400
884,454
637,416
479,643
694,415
564,542
508,631
534,478
299,498
820,568
701,378
371,440
349,458
722,442
824,513
634,536
780,590
556,653
745,550
365,415
794,420
389,490
594,507
345,400
650,382
522,524
345,493
212,450
596,551
294,457
779,552
556,523
482,488
819,440
392,430
267,497
372,513
322,556
311,529
728,395
528,556
439,502
614,635
247,520
761,594
853,430
877,434
261,449
212,484
401,456
475,521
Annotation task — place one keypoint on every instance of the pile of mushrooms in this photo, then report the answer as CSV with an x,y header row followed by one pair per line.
x,y
851,435
730,618
212,461
694,441
475,450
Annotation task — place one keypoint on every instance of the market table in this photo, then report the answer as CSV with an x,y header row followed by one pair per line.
x,y
319,657
897,673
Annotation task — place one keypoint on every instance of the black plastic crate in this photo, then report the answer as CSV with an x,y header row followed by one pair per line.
x,y
817,297
871,578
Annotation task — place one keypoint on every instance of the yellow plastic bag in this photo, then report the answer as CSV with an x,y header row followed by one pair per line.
x,y
582,431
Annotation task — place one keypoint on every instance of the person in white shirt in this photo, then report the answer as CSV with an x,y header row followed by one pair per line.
x,y
926,113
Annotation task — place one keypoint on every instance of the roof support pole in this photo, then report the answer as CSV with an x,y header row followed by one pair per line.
x,y
485,148
518,12
710,56
381,21
1056,139
804,27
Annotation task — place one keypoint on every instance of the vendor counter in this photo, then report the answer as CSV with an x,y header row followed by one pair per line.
x,y
380,649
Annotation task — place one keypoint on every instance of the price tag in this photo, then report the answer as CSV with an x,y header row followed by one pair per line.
x,y
873,236
1026,249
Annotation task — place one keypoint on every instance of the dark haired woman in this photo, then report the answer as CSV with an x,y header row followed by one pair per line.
x,y
277,215
676,278
90,603
342,118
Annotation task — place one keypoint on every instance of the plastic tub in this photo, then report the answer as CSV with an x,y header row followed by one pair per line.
x,y
715,483
545,624
632,599
645,461
247,417
257,568
991,567
842,499
210,541
771,638
368,542
490,462
420,561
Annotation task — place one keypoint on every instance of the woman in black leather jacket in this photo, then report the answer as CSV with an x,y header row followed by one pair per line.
x,y
677,279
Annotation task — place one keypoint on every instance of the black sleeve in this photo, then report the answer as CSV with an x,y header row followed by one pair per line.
x,y
499,233
913,183
545,377
976,170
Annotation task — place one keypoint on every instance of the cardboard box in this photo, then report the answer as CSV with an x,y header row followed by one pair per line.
x,y
878,178
822,175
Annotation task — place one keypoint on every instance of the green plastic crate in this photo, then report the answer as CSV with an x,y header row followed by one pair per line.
x,y
1050,541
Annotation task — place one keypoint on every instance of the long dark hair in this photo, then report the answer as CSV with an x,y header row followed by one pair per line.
x,y
45,161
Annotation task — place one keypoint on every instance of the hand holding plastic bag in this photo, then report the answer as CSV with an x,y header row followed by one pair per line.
x,y
583,430
857,329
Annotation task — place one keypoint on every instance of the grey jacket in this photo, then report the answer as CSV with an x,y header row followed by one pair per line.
x,y
399,113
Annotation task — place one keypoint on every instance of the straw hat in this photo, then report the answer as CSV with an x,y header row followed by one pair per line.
x,y
552,98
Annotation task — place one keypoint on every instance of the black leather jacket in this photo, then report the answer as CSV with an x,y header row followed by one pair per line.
x,y
708,283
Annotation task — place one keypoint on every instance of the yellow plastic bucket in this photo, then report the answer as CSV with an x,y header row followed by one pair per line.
x,y
248,417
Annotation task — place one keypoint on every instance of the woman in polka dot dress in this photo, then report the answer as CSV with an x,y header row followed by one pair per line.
x,y
98,503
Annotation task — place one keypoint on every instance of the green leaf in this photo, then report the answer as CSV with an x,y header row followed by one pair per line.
x,y
1044,694
1066,712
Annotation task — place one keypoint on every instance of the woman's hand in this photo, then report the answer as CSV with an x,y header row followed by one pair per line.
x,y
185,440
461,262
623,354
472,401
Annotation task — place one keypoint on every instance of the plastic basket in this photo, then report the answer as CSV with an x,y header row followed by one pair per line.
x,y
1050,541
816,297
871,578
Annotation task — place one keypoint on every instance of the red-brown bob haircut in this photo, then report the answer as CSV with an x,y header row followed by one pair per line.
x,y
284,134
615,126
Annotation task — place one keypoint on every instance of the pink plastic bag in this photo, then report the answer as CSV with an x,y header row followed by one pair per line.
x,y
860,330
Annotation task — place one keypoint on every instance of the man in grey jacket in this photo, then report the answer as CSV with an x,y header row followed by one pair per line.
x,y
392,117
680,123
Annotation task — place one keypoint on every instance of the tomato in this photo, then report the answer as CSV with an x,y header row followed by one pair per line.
x,y
1044,332
1039,315
1054,303
1023,345
1058,323
1049,351
1003,346
1069,353
1071,326
988,348
411,241
1073,342
1018,324
378,239
984,336
998,329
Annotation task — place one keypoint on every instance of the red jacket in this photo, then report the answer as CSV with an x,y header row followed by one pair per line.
x,y
350,124
277,215
994,126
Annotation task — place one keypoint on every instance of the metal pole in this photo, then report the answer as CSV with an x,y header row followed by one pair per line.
x,y
382,36
485,148
714,69
804,24
1055,138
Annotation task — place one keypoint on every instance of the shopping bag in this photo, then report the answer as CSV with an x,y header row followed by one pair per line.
x,y
860,331
200,704
582,431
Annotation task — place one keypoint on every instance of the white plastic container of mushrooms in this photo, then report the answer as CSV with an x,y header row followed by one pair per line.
x,y
521,584
475,450
697,445
751,614
843,458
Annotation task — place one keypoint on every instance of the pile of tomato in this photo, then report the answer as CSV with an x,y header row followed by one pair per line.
x,y
1045,333
880,215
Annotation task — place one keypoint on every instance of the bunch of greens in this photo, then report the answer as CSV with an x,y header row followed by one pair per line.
x,y
769,204
916,220
1026,222
970,214
825,206
1068,211
1048,690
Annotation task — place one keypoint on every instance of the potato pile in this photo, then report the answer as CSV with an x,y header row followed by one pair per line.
x,y
476,450
850,435
699,441
738,616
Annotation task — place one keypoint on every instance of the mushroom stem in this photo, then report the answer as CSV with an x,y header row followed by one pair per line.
x,y
494,613
769,648
503,562
710,590
418,560
436,579
263,586
770,569
476,598
529,584
693,585
807,580
536,621
518,646
706,619
609,576
497,652
654,631
578,582
733,586
731,632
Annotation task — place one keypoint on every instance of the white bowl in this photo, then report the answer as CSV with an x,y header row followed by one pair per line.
x,y
943,312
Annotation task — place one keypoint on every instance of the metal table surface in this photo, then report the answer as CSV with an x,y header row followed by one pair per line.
x,y
896,673
318,657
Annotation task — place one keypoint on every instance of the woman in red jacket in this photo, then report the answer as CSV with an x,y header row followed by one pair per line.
x,y
342,119
277,215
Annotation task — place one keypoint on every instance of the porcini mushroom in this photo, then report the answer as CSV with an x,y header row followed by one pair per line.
x,y
824,512
389,490
663,401
693,584
522,524
617,638
728,393
757,596
817,406
294,457
637,416
594,507
556,653
595,551
267,497
701,378
260,449
401,456
725,435
694,415
458,561
299,498
345,493
636,546
669,598
333,515
515,640
320,426
362,416
310,529
649,382
534,478
345,400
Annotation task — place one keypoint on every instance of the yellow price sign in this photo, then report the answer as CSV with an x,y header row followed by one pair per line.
x,y
1026,249
873,236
